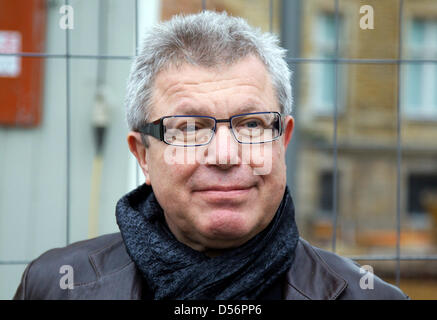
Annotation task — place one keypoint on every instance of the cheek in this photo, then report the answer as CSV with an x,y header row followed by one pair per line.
x,y
275,181
169,178
258,156
265,159
169,186
280,168
173,163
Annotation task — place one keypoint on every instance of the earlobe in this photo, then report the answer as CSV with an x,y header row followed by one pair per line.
x,y
138,149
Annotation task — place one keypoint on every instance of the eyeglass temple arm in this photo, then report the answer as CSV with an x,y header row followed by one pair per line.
x,y
279,125
153,129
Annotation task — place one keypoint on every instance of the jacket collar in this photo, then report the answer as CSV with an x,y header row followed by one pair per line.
x,y
111,258
311,278
116,276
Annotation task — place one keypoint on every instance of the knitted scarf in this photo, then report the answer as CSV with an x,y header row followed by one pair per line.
x,y
173,270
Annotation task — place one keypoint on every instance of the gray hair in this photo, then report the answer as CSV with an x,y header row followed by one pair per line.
x,y
207,39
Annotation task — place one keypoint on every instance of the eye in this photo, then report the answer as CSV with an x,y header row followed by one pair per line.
x,y
252,123
190,126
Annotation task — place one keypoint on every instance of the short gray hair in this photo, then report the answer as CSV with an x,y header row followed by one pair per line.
x,y
207,39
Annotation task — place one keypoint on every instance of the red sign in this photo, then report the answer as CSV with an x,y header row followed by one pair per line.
x,y
22,29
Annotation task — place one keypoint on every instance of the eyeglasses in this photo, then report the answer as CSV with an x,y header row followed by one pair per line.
x,y
193,130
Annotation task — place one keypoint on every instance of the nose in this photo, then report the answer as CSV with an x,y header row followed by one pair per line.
x,y
223,151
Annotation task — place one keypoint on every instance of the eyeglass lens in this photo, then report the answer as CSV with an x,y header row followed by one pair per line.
x,y
196,130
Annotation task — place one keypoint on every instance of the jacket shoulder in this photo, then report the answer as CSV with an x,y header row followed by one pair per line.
x,y
43,276
361,282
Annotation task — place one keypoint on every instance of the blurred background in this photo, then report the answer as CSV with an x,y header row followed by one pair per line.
x,y
362,165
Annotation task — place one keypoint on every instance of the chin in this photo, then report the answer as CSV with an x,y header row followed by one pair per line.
x,y
228,225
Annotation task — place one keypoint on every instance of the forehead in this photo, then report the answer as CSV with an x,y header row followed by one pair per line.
x,y
190,89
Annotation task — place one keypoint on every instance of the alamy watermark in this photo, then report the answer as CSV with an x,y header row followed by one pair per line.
x,y
257,154
366,281
67,280
367,20
67,17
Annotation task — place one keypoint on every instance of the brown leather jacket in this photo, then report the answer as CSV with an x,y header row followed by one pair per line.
x,y
102,269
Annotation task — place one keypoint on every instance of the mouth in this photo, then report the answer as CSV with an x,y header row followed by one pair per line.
x,y
226,194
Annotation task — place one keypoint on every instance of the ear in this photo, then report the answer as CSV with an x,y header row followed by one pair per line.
x,y
138,149
288,130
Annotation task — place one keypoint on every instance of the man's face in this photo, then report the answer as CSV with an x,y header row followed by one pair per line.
x,y
219,202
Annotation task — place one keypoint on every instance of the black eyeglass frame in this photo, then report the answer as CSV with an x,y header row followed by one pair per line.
x,y
156,128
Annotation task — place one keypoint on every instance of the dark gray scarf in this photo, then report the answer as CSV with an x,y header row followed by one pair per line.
x,y
175,271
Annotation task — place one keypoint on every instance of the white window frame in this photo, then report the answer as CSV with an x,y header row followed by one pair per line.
x,y
319,106
427,110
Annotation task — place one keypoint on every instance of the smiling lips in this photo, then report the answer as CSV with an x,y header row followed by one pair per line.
x,y
228,193
223,188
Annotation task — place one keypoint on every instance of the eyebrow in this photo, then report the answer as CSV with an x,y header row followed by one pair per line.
x,y
249,107
189,109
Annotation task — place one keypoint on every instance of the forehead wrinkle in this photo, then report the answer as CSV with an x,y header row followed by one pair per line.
x,y
177,92
187,108
174,72
169,85
251,105
210,86
172,80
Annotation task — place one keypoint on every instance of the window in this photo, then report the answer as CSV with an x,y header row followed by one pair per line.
x,y
323,74
420,99
418,186
326,192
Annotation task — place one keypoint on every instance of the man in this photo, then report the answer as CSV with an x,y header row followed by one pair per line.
x,y
208,106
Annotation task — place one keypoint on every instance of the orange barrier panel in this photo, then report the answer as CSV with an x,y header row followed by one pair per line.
x,y
22,29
